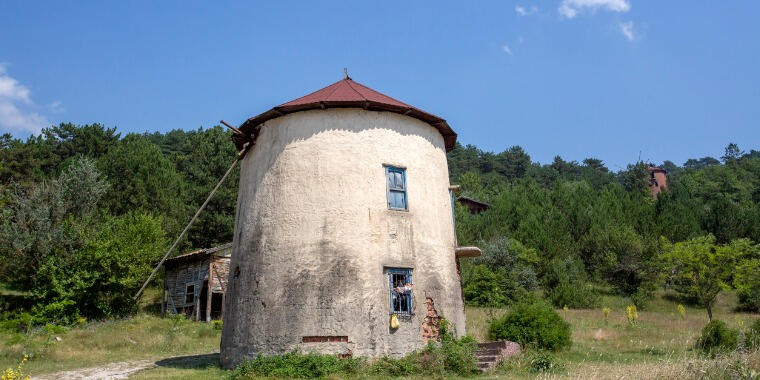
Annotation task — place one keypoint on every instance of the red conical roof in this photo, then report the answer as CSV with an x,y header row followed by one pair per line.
x,y
347,93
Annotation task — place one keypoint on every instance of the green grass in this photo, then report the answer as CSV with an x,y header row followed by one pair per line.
x,y
144,336
140,337
658,346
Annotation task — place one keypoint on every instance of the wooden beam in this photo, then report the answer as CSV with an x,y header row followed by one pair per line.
x,y
233,129
208,290
163,294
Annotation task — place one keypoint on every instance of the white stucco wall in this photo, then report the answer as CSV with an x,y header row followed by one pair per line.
x,y
314,234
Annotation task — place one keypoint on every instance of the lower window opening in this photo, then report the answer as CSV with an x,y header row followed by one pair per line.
x,y
400,291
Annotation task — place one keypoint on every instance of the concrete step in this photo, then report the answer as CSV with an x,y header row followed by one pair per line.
x,y
487,352
502,344
488,359
491,353
485,366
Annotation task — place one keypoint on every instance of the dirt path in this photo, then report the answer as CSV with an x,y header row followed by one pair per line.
x,y
123,370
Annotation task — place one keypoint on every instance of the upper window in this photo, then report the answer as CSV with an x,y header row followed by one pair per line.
x,y
401,291
396,180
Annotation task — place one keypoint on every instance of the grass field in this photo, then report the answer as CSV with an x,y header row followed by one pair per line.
x,y
657,346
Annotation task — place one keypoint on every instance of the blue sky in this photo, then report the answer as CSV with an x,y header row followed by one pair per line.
x,y
612,79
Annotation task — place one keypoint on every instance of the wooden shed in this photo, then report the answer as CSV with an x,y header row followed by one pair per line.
x,y
195,283
475,206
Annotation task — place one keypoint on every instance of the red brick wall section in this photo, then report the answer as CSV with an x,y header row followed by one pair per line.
x,y
324,339
431,325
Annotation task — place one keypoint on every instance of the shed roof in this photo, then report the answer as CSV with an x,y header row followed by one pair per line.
x,y
475,206
347,93
196,254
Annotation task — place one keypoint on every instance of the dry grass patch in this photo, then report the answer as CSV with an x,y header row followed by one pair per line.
x,y
140,337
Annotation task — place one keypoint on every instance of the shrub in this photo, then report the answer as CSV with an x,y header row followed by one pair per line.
x,y
641,298
510,255
752,336
408,365
295,365
16,374
484,287
565,284
682,311
542,361
632,313
217,323
606,311
450,356
716,337
532,323
575,295
749,299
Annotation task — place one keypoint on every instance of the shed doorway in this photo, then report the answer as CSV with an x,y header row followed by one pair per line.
x,y
217,299
203,302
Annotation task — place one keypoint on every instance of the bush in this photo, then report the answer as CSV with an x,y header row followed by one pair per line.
x,y
717,337
408,365
576,295
484,287
565,284
449,356
542,361
641,298
749,299
295,365
752,336
532,324
513,257
16,374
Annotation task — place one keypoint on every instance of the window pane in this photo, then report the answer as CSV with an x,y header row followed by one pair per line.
x,y
399,180
394,179
395,200
398,199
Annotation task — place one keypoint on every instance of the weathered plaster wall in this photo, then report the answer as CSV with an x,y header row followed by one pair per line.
x,y
313,236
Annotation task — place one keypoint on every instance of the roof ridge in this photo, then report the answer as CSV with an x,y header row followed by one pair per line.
x,y
337,85
380,93
349,81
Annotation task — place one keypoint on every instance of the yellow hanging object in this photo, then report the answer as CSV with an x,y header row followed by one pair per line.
x,y
394,321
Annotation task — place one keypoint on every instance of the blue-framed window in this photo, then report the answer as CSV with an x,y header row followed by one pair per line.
x,y
396,180
400,292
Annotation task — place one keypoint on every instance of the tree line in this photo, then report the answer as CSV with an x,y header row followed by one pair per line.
x,y
85,213
575,230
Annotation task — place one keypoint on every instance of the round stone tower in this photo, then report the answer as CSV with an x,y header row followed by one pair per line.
x,y
344,227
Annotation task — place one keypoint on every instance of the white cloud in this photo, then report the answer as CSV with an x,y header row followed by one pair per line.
x,y
522,11
11,89
506,49
571,8
56,107
627,29
15,101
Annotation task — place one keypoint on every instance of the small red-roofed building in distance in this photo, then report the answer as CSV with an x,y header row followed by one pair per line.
x,y
658,180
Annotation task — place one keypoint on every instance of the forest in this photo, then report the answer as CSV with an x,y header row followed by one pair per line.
x,y
86,212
